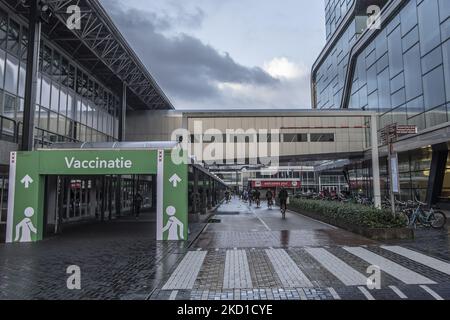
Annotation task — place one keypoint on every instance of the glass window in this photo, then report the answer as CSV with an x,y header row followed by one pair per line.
x,y
38,89
399,115
78,110
413,73
12,74
2,67
415,107
62,125
418,121
322,137
431,60
13,37
295,137
446,53
22,79
9,109
53,122
55,97
65,72
43,118
20,109
89,115
56,62
429,26
84,112
71,79
395,53
408,17
436,116
46,59
384,91
63,102
45,96
70,106
434,88
3,28
24,46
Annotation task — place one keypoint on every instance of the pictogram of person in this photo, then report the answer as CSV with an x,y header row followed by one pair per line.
x,y
174,226
25,227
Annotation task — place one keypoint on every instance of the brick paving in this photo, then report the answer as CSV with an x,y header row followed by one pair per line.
x,y
250,255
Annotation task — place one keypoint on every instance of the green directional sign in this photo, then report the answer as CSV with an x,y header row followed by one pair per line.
x,y
28,170
175,198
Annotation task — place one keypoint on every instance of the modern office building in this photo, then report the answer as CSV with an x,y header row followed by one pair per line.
x,y
398,67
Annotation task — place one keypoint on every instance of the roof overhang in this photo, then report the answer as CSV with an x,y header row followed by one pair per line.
x,y
102,50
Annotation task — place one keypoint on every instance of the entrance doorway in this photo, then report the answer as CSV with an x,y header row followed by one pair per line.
x,y
75,200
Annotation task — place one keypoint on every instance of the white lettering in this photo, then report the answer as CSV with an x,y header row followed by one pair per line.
x,y
69,164
118,163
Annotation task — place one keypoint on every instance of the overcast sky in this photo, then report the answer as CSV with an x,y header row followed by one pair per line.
x,y
226,54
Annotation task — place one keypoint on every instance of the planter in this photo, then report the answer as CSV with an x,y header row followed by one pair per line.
x,y
371,233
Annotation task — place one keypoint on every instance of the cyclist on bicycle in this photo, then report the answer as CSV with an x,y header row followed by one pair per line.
x,y
257,198
269,197
283,196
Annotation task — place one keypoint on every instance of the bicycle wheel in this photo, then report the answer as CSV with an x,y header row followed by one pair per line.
x,y
405,217
438,220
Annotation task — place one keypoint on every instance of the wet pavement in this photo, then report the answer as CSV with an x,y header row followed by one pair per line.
x,y
118,260
250,254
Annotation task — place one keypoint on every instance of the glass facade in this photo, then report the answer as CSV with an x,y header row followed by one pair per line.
x,y
330,76
335,11
414,172
404,74
70,104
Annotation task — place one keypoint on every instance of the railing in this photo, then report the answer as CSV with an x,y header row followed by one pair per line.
x,y
44,138
9,129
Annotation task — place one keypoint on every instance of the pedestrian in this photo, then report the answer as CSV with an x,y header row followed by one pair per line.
x,y
137,204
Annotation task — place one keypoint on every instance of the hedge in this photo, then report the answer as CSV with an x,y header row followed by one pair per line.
x,y
350,213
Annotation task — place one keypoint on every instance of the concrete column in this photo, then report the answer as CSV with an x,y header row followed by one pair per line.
x,y
34,40
437,173
375,162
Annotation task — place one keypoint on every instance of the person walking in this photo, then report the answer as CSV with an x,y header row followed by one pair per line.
x,y
269,198
137,204
283,197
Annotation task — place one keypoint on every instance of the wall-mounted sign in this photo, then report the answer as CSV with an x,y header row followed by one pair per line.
x,y
276,184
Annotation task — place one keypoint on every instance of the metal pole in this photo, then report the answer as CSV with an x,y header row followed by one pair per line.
x,y
375,163
391,180
34,35
123,113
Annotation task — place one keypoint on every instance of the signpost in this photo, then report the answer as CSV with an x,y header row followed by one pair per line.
x,y
389,135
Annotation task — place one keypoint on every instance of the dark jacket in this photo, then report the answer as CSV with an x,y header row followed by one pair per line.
x,y
283,195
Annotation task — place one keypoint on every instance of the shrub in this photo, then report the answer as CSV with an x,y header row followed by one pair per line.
x,y
350,213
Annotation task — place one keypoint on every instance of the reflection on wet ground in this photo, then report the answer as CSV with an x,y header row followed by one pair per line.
x,y
263,227
118,260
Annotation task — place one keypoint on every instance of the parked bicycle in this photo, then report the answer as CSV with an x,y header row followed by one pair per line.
x,y
428,218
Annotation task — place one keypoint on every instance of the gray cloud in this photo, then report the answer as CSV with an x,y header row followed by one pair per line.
x,y
186,68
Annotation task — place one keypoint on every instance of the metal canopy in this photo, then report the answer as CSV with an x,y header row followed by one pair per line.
x,y
101,49
153,145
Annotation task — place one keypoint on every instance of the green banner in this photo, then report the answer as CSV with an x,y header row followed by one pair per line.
x,y
97,162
